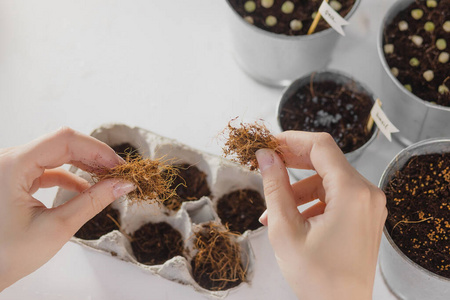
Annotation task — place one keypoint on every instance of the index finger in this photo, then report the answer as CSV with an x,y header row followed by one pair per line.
x,y
65,146
313,151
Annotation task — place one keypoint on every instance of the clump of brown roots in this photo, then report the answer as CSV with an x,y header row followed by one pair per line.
x,y
244,140
153,178
217,265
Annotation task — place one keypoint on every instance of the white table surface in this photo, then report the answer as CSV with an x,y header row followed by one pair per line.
x,y
162,65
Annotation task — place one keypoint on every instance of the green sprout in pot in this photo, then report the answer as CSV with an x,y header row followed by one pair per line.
x,y
296,25
431,3
428,75
429,26
417,13
313,15
446,26
417,40
389,48
403,25
250,6
414,62
271,21
336,5
444,57
443,89
394,71
287,7
408,87
267,3
441,44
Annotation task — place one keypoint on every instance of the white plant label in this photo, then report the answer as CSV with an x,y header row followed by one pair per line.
x,y
382,121
332,17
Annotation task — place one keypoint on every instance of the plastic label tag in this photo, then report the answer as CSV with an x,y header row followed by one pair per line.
x,y
332,17
382,121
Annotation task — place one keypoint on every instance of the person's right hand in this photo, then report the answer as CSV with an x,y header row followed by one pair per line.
x,y
330,250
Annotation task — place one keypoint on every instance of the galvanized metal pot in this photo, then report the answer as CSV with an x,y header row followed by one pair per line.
x,y
405,278
415,118
320,76
277,59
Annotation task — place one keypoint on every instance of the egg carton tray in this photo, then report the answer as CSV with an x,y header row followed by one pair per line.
x,y
223,177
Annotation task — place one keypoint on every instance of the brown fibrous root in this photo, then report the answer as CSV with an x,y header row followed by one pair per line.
x,y
217,265
153,178
244,140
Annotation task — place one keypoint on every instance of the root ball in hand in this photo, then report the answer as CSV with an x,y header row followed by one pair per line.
x,y
153,178
244,140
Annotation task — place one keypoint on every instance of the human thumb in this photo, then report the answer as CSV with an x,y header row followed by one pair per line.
x,y
281,206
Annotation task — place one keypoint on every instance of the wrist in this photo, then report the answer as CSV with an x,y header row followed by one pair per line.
x,y
335,287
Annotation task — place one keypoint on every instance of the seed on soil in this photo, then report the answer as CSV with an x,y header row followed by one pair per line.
x,y
428,75
249,19
287,7
442,89
417,13
429,26
389,48
444,57
296,25
408,87
417,40
336,5
403,25
441,44
266,3
394,71
431,3
271,21
446,26
414,62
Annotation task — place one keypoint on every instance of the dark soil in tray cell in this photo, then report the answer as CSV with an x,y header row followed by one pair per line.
x,y
302,10
241,209
126,150
416,55
155,243
418,201
191,184
329,107
101,224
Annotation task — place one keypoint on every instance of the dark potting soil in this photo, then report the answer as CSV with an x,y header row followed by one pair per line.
x,y
418,201
330,107
303,11
241,209
155,243
126,150
191,184
99,225
427,53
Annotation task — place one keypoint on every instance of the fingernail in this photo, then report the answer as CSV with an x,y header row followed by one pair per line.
x,y
265,158
123,188
120,159
263,216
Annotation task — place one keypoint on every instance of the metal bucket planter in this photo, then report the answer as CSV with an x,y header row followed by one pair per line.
x,y
340,78
277,59
415,118
405,278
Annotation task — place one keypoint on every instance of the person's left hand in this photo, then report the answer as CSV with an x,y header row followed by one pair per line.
x,y
31,234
